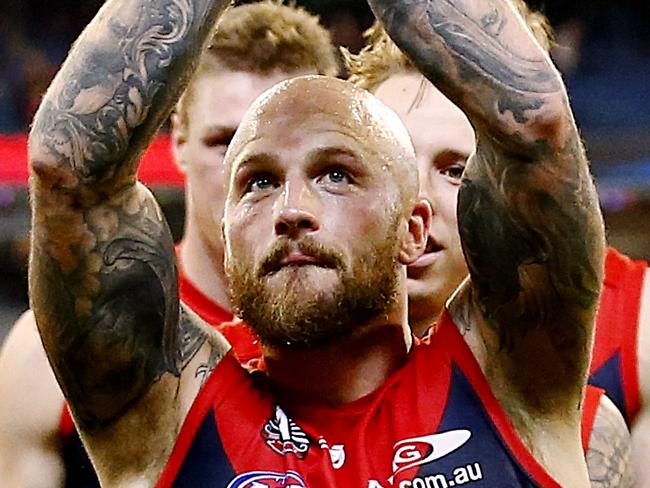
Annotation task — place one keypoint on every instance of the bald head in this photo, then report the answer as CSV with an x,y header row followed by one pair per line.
x,y
326,105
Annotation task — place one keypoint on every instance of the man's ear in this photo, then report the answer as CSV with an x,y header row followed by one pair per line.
x,y
418,230
179,138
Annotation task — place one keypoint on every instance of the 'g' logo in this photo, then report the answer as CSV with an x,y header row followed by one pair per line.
x,y
427,448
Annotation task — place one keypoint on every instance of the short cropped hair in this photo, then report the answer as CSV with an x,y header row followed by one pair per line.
x,y
381,58
263,38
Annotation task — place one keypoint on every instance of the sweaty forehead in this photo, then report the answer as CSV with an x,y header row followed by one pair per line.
x,y
317,101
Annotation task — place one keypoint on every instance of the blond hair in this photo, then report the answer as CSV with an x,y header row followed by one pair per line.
x,y
264,38
381,58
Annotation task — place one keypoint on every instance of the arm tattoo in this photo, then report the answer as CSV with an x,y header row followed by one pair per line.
x,y
205,369
528,215
608,457
117,87
465,48
102,279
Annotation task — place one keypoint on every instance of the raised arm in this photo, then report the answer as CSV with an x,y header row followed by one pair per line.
x,y
528,213
102,274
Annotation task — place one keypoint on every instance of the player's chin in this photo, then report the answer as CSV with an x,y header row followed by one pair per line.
x,y
419,288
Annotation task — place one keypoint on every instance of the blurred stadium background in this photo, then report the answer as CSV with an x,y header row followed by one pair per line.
x,y
602,49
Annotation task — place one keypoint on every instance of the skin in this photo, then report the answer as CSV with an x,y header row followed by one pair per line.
x,y
641,426
97,232
441,161
31,402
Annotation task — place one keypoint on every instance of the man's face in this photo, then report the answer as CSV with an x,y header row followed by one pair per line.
x,y
311,226
219,103
443,139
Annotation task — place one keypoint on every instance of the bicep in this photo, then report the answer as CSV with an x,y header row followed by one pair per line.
x,y
104,293
532,236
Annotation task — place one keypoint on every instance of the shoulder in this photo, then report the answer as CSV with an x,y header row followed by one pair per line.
x,y
28,388
31,404
643,342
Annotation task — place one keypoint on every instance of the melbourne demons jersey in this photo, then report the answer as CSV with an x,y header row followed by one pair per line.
x,y
434,423
614,358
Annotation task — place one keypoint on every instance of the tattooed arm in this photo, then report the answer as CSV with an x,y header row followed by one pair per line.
x,y
608,457
102,275
528,213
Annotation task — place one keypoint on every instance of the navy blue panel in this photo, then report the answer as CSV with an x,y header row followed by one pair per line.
x,y
206,463
482,461
79,472
609,378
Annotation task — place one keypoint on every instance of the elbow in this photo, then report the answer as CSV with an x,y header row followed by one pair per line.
x,y
553,123
49,166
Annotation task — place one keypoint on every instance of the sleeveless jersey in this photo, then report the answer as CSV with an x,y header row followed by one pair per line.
x,y
78,468
614,357
434,423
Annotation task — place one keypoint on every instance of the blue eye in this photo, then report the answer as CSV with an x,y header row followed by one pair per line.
x,y
455,171
337,176
261,182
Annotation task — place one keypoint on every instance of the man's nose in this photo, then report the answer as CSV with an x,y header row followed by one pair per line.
x,y
296,210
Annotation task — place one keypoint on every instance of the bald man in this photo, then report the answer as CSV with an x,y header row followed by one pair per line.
x,y
321,218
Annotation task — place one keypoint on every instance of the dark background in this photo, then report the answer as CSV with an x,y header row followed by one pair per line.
x,y
602,49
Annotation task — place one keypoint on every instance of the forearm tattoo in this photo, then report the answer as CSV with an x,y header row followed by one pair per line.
x,y
102,274
465,47
528,215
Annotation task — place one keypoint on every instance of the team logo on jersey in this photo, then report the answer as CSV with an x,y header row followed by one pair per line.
x,y
268,479
284,436
426,449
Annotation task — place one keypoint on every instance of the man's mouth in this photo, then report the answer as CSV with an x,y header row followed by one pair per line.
x,y
431,254
297,258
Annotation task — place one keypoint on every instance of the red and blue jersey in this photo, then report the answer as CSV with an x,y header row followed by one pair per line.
x,y
614,358
434,423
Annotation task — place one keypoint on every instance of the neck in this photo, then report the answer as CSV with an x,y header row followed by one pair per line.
x,y
422,316
203,266
341,372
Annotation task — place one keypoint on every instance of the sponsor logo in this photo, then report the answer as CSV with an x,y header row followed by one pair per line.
x,y
460,475
268,479
425,449
337,453
284,436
